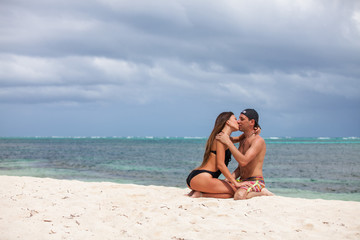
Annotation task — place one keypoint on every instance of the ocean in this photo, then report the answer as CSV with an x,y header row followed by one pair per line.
x,y
325,168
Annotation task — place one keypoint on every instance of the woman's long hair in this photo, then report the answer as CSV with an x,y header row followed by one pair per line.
x,y
219,125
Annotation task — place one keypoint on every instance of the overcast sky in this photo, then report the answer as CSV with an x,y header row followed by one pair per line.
x,y
168,68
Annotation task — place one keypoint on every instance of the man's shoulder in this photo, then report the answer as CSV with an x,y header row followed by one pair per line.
x,y
259,139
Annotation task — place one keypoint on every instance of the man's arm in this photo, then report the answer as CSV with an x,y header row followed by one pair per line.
x,y
250,154
236,173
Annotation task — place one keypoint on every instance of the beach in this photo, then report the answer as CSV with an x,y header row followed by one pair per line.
x,y
45,208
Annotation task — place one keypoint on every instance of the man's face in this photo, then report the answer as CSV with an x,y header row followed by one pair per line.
x,y
243,122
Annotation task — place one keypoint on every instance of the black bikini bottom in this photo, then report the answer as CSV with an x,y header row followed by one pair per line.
x,y
196,172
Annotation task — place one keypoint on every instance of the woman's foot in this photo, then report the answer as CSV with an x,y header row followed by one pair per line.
x,y
196,194
190,193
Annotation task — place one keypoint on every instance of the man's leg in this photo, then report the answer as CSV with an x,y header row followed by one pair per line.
x,y
240,194
264,192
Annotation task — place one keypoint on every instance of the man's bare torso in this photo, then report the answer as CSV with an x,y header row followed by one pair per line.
x,y
253,168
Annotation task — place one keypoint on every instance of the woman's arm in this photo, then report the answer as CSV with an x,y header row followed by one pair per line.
x,y
235,139
220,164
242,136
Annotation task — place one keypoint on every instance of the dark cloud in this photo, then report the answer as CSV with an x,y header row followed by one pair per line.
x,y
182,56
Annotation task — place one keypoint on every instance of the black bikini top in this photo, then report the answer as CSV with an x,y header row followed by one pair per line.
x,y
227,156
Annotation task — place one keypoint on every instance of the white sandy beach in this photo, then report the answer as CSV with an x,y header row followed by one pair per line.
x,y
42,208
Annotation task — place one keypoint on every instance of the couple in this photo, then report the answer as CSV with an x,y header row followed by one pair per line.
x,y
204,182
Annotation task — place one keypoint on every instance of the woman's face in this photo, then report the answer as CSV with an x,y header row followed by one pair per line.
x,y
233,123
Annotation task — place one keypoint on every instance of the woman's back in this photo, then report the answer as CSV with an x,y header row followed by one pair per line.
x,y
211,164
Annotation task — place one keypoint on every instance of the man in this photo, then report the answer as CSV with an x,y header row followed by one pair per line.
x,y
250,155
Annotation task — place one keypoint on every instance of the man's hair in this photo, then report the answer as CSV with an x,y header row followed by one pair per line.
x,y
252,114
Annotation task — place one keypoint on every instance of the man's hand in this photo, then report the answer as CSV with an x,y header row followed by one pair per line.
x,y
224,138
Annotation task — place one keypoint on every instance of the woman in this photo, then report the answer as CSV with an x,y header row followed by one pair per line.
x,y
204,180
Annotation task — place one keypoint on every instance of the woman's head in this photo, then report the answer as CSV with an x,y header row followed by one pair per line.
x,y
220,122
223,119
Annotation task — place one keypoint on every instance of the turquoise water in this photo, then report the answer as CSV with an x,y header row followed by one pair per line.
x,y
327,168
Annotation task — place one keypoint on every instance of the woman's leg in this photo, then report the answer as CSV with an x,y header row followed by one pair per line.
x,y
197,194
211,187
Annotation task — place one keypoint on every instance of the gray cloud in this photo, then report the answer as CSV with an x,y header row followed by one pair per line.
x,y
272,55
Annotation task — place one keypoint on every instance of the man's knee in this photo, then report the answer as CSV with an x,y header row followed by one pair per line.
x,y
266,192
240,195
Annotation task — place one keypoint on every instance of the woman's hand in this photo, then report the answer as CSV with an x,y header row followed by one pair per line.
x,y
238,185
257,130
235,185
243,184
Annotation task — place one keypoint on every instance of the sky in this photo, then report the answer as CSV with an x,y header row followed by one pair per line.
x,y
167,68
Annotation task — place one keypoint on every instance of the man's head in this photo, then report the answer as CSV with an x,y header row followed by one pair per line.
x,y
251,114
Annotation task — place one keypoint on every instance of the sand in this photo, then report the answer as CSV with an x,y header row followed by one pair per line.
x,y
43,208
